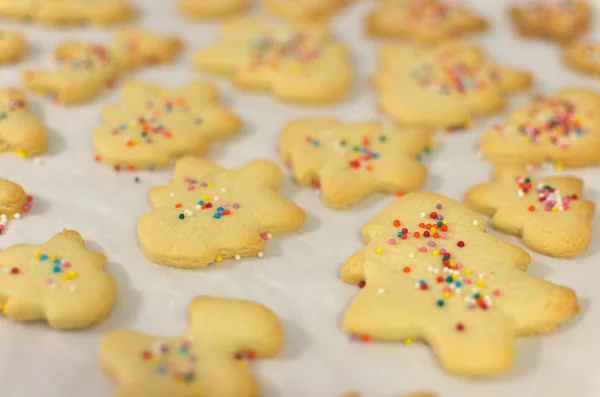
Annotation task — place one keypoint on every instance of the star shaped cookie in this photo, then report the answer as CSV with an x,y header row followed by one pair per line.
x,y
85,70
562,128
68,12
548,213
296,62
429,272
444,86
304,9
60,282
209,213
559,20
208,9
207,359
153,125
20,131
350,161
423,21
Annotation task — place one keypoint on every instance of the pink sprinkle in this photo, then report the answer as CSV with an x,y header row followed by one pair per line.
x,y
496,292
49,281
66,265
447,289
26,208
467,281
459,265
263,236
423,249
443,251
443,236
191,187
391,241
1,228
224,205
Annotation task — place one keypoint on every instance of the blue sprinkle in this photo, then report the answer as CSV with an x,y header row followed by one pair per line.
x,y
43,257
399,234
220,209
56,261
200,202
457,283
216,215
56,269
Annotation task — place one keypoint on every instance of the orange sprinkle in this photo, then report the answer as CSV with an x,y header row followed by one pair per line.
x,y
396,223
436,235
406,269
399,193
422,225
531,208
365,338
444,228
417,234
403,237
177,205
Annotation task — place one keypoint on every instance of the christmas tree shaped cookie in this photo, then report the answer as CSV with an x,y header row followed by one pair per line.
x,y
583,56
68,12
430,272
304,9
559,20
444,86
153,125
207,359
59,281
424,21
85,70
209,214
208,9
549,213
349,161
562,128
20,131
296,62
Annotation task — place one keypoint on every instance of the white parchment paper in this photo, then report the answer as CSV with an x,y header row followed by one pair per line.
x,y
298,277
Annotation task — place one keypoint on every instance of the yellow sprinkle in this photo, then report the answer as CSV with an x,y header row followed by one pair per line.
x,y
468,272
2,148
38,254
205,198
435,253
433,229
554,209
219,258
242,363
356,154
209,185
68,276
455,277
452,264
558,165
368,132
447,295
52,257
479,283
155,360
408,341
3,308
378,251
444,222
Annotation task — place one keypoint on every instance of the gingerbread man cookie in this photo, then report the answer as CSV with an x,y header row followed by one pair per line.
x,y
583,56
208,9
12,47
442,87
349,161
85,70
297,63
208,359
68,12
424,21
430,272
209,213
20,132
559,20
153,125
549,213
562,128
59,281
304,9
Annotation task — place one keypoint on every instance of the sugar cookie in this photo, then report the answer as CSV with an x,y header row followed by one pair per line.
x,y
429,272
207,9
208,359
304,9
559,20
424,21
583,56
549,213
563,128
20,131
13,202
297,63
59,281
209,213
350,161
68,12
85,70
153,125
444,86
12,47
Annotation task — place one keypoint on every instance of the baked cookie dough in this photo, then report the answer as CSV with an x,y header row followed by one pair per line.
x,y
152,126
209,9
20,131
68,12
442,87
429,272
423,21
297,63
562,128
559,20
350,161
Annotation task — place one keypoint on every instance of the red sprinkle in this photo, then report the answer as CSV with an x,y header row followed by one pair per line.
x,y
362,284
460,327
14,270
460,244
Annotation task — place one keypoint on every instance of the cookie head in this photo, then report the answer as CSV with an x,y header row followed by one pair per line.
x,y
209,358
60,282
20,131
